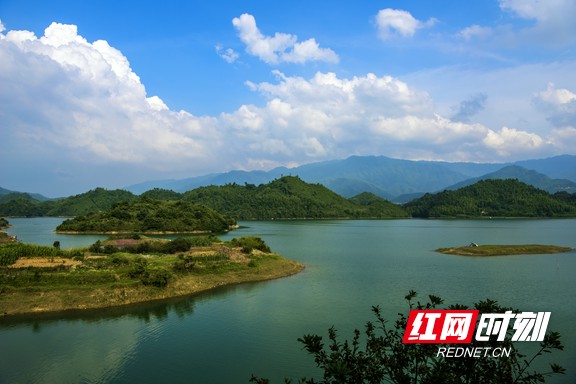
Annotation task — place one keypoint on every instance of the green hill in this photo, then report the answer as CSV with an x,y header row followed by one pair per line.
x,y
492,198
23,204
35,196
20,204
286,198
98,199
524,175
161,194
147,216
377,206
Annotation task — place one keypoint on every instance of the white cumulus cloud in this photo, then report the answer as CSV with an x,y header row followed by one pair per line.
x,y
60,90
510,141
393,22
282,47
559,104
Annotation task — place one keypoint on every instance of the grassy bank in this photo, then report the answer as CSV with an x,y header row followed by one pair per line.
x,y
115,273
502,250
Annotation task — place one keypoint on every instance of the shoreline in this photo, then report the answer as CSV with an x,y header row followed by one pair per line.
x,y
195,232
101,298
131,233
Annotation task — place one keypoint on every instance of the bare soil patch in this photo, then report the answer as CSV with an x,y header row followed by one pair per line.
x,y
43,262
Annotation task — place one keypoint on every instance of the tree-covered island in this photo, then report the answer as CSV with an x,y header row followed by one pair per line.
x,y
150,216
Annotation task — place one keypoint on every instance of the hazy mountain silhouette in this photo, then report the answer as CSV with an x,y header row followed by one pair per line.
x,y
383,176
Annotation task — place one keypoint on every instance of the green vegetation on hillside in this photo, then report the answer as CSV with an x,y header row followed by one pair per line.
x,y
161,194
148,216
291,198
22,205
287,198
492,198
99,199
128,270
378,207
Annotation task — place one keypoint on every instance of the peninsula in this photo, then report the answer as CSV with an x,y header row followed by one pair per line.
x,y
120,271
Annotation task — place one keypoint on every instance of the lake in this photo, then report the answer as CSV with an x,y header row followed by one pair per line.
x,y
224,336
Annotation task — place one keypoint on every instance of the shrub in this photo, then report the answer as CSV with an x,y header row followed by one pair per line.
x,y
119,259
202,241
156,277
184,263
249,243
96,247
180,244
140,267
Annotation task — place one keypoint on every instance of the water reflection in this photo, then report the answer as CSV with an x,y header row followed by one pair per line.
x,y
150,311
90,345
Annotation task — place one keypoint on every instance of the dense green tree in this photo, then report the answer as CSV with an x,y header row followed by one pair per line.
x,y
161,194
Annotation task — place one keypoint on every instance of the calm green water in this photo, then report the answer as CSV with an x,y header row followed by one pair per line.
x,y
226,335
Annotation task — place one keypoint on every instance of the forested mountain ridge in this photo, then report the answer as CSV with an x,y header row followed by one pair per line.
x,y
290,197
494,198
35,196
98,199
526,176
287,198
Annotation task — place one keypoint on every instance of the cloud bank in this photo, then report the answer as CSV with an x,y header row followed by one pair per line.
x,y
64,98
547,24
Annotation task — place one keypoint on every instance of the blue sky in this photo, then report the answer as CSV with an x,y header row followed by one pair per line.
x,y
102,93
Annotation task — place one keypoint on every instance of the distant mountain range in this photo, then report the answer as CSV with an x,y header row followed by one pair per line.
x,y
6,194
393,179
